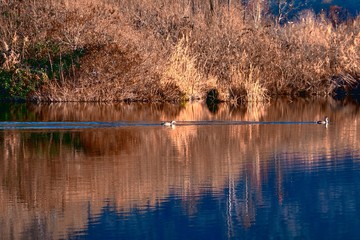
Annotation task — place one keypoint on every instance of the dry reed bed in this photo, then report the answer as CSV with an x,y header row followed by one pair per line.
x,y
102,50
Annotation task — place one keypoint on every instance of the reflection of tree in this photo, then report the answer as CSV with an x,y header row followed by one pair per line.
x,y
60,178
240,205
245,208
279,179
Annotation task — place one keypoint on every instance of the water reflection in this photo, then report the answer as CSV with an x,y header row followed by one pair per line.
x,y
191,181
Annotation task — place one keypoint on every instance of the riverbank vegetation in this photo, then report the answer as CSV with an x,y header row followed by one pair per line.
x,y
162,50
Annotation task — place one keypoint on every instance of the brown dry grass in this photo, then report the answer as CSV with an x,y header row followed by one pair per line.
x,y
160,50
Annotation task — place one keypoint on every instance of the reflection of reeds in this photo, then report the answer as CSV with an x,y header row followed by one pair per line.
x,y
137,167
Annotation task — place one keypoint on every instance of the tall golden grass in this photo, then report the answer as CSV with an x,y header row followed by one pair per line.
x,y
156,50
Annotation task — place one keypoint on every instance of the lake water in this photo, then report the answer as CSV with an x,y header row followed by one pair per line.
x,y
111,171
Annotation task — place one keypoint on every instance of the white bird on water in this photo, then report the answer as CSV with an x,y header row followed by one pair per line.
x,y
325,121
168,124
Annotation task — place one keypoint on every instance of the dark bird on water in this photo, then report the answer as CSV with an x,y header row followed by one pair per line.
x,y
325,121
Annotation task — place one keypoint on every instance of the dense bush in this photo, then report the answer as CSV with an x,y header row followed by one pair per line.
x,y
156,50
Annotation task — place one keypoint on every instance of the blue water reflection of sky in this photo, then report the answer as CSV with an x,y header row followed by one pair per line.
x,y
318,203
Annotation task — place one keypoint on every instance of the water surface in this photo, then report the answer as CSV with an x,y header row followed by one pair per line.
x,y
111,171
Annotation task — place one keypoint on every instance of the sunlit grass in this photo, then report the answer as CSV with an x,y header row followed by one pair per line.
x,y
102,50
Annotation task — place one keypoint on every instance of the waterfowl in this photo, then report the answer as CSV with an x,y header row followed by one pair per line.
x,y
325,121
172,123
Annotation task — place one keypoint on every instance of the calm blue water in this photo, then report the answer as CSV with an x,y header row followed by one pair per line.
x,y
317,204
93,171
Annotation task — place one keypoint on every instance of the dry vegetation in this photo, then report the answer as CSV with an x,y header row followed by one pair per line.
x,y
161,50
